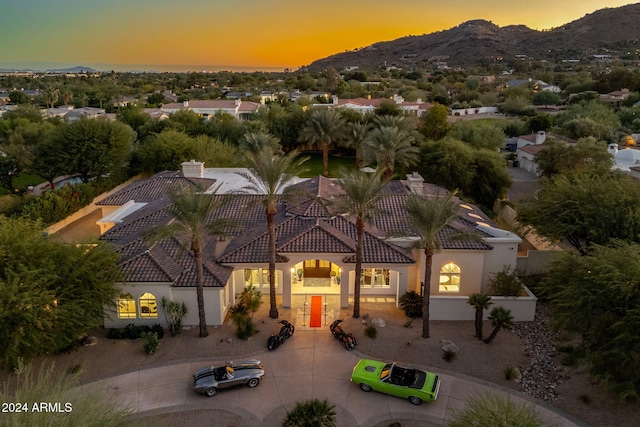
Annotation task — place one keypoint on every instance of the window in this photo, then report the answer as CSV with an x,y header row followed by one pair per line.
x,y
450,278
148,307
258,277
375,278
126,307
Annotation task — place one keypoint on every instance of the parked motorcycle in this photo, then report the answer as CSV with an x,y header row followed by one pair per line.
x,y
347,339
286,331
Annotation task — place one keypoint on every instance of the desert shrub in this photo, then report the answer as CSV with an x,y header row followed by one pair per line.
x,y
449,355
411,303
133,332
371,332
505,283
509,373
76,369
494,410
241,316
311,413
408,324
174,313
151,342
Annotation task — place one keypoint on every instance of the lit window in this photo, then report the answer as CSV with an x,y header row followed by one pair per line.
x,y
148,307
258,277
126,307
375,278
450,278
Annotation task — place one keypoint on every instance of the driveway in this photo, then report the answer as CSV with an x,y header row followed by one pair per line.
x,y
309,365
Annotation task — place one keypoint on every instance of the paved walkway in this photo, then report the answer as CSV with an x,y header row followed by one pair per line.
x,y
309,365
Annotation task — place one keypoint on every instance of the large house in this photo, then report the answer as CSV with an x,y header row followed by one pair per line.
x,y
528,147
315,249
241,110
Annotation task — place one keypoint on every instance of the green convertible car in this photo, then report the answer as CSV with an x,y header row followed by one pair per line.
x,y
389,378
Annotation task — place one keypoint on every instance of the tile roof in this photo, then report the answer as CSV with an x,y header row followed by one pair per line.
x,y
153,188
303,226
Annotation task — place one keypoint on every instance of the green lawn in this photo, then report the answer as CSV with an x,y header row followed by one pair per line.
x,y
314,165
23,181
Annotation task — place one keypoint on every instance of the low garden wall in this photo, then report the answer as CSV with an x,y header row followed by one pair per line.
x,y
523,309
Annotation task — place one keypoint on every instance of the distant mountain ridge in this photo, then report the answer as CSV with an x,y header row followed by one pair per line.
x,y
476,41
76,69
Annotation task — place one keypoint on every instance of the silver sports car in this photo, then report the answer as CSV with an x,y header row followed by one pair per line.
x,y
210,380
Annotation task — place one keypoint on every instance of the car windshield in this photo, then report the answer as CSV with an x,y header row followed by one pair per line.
x,y
386,371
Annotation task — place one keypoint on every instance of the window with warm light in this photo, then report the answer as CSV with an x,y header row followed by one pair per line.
x,y
449,278
375,278
126,307
258,278
148,306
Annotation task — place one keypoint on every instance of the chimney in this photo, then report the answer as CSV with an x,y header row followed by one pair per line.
x,y
238,101
415,181
419,101
612,149
398,99
185,103
334,100
193,169
540,137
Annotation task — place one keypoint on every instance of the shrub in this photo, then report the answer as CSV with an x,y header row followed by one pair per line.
x,y
408,324
245,328
371,332
311,413
411,303
449,355
76,369
174,313
494,410
505,283
133,332
509,373
151,342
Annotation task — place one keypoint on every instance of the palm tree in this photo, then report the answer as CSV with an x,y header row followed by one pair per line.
x,y
481,302
501,318
429,218
252,143
358,132
324,127
312,413
389,146
190,210
362,194
270,174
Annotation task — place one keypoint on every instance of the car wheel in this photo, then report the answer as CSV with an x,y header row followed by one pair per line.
x,y
365,387
211,391
415,400
253,382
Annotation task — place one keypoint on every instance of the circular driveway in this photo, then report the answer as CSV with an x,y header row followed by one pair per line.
x,y
310,365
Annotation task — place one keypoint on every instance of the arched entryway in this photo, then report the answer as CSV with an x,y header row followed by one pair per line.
x,y
316,276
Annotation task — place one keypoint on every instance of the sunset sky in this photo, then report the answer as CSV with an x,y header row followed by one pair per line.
x,y
256,34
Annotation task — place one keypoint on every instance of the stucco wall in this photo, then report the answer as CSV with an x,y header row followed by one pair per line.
x,y
523,309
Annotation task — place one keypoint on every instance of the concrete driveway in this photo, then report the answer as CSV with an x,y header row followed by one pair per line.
x,y
309,365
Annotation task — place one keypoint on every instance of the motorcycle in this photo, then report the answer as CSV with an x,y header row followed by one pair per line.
x,y
286,331
347,339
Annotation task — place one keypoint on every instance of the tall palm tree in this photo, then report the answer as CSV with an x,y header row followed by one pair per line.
x,y
429,217
270,174
501,318
190,210
362,194
251,143
389,146
358,132
324,127
481,302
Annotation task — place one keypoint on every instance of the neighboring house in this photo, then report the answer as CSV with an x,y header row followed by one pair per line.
x,y
315,249
538,85
626,160
528,147
241,110
615,97
368,105
71,114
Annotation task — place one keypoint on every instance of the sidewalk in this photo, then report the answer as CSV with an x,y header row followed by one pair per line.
x,y
309,365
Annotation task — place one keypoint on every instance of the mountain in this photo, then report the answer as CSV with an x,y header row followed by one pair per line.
x,y
477,41
76,69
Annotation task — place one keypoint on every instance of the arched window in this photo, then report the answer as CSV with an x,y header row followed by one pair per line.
x,y
126,307
148,307
450,278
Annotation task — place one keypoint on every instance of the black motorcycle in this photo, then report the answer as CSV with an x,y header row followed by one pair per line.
x,y
347,339
286,331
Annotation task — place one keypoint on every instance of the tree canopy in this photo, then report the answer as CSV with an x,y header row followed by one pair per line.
x,y
50,292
